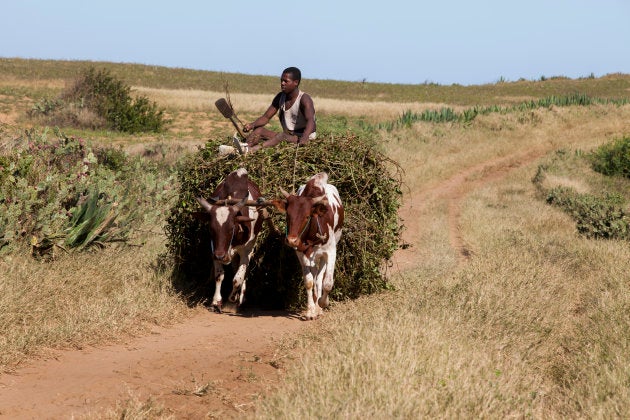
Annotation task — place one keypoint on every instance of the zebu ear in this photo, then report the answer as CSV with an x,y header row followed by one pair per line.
x,y
281,205
321,199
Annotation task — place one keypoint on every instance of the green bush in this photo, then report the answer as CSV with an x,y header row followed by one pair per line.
x,y
596,217
56,193
96,100
369,185
601,215
613,158
46,106
114,159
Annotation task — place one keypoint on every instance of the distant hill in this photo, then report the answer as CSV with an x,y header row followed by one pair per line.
x,y
613,86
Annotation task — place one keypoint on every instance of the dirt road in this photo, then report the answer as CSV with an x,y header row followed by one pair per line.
x,y
212,365
227,359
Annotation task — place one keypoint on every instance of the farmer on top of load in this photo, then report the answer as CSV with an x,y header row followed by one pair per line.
x,y
296,113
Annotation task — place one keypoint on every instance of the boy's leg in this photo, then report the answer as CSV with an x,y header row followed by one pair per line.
x,y
270,141
277,139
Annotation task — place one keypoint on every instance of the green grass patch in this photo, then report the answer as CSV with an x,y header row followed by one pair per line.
x,y
447,114
599,217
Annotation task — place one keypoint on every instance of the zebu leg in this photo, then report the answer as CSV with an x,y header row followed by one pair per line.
x,y
217,302
328,279
322,265
312,311
238,284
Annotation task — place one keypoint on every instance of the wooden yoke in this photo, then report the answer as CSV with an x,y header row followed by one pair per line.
x,y
232,201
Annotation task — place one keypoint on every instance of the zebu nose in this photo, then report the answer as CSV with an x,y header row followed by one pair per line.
x,y
223,257
293,241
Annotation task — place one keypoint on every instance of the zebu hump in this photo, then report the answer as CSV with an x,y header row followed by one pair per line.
x,y
315,187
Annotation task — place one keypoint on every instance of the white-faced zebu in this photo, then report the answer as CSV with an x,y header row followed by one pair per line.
x,y
233,230
314,222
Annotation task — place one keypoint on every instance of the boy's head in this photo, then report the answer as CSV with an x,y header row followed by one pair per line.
x,y
294,72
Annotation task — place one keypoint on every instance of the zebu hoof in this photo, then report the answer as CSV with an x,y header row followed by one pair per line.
x,y
218,307
323,302
308,317
236,298
311,315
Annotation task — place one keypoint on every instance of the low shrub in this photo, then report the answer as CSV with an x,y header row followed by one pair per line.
x,y
596,217
612,158
368,182
56,193
600,216
96,99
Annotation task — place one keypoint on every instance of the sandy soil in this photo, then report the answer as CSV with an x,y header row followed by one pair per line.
x,y
232,354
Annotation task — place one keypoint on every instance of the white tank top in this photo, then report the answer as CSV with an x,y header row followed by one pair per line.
x,y
292,119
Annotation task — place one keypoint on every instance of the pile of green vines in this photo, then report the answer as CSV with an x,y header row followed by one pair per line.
x,y
370,187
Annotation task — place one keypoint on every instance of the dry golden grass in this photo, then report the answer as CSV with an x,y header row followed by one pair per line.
x,y
256,104
80,300
533,325
8,80
134,408
434,152
563,181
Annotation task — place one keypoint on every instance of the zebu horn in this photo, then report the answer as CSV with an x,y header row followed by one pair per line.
x,y
204,203
319,199
284,192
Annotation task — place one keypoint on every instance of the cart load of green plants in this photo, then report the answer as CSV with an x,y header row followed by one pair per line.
x,y
370,187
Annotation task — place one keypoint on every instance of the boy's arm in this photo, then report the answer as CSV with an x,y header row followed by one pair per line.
x,y
266,117
308,109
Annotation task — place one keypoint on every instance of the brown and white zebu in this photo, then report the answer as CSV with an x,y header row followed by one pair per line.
x,y
233,230
314,219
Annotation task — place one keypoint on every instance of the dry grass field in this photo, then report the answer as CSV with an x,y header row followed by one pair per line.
x,y
499,308
531,323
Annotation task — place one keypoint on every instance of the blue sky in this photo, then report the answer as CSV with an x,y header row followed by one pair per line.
x,y
395,41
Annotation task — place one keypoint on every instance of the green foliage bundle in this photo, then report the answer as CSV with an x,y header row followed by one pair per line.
x,y
59,193
613,158
368,182
96,99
